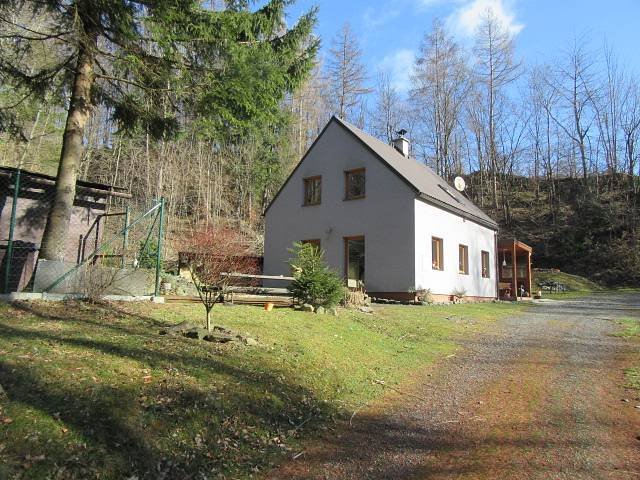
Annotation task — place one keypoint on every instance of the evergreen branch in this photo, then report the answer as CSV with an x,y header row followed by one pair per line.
x,y
42,36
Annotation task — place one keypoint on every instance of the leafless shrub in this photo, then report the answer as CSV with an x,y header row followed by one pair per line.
x,y
355,298
96,281
214,255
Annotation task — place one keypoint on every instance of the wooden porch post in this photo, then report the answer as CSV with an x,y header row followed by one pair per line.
x,y
530,283
514,275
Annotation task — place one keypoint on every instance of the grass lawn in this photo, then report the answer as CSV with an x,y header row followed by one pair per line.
x,y
92,391
631,330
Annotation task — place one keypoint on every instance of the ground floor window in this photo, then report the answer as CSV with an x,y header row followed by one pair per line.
x,y
354,261
314,241
437,253
486,269
463,262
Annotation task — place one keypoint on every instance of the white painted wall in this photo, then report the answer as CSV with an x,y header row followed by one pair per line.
x,y
430,222
385,216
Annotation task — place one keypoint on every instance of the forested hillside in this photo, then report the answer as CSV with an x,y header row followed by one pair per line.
x,y
217,107
586,230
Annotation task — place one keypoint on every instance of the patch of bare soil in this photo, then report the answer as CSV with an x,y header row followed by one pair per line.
x,y
541,397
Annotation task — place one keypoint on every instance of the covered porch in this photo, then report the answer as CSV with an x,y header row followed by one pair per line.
x,y
514,279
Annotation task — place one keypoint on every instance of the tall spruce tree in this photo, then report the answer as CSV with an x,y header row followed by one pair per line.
x,y
152,63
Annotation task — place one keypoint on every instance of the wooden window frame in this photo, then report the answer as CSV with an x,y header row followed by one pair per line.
x,y
346,254
463,260
439,264
485,270
316,242
306,181
354,171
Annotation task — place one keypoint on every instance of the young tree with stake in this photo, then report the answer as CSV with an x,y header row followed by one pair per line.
x,y
213,255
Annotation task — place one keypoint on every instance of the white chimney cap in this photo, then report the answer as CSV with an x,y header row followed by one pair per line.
x,y
401,143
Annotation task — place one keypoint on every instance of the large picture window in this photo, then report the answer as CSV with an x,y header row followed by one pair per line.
x,y
354,184
312,190
354,257
437,254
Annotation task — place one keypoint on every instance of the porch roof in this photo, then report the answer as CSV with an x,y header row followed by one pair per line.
x,y
510,244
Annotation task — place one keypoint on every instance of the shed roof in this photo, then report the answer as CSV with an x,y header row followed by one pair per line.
x,y
83,185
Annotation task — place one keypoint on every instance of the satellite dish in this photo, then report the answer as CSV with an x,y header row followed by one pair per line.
x,y
459,183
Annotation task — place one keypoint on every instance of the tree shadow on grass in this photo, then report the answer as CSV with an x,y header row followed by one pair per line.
x,y
167,429
44,311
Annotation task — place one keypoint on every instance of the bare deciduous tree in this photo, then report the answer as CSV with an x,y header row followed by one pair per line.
x,y
496,68
213,254
440,85
390,113
346,75
574,83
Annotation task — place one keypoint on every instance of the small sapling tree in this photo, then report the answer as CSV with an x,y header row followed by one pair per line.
x,y
314,282
213,254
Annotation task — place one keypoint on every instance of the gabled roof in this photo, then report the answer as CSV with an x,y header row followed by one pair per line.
x,y
428,185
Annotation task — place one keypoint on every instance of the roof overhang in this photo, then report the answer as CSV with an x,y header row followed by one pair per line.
x,y
512,243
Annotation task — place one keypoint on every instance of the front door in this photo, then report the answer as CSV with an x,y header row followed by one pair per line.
x,y
354,261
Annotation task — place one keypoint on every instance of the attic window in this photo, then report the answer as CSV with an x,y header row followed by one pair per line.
x,y
448,192
354,184
312,190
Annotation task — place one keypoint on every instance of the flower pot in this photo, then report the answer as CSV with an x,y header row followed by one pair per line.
x,y
268,306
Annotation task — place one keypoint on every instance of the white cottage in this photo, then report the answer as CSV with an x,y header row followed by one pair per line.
x,y
384,220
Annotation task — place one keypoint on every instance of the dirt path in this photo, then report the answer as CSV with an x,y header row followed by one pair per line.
x,y
539,397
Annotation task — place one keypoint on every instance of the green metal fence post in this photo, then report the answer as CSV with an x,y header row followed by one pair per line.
x,y
125,235
159,246
12,224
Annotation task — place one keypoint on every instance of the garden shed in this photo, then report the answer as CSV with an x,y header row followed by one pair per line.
x,y
22,226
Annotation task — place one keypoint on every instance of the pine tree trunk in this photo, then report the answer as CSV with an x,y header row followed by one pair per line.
x,y
54,240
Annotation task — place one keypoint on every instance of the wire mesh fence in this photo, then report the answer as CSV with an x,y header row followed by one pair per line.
x,y
113,245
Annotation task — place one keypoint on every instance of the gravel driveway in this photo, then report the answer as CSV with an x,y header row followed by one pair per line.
x,y
539,396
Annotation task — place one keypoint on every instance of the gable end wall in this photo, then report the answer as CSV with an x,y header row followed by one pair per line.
x,y
385,216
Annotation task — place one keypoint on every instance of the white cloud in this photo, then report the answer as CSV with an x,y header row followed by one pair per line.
x,y
429,3
465,19
399,66
373,18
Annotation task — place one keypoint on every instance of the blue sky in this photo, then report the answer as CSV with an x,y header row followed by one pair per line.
x,y
390,31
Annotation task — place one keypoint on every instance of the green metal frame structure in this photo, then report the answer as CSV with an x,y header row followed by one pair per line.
x,y
158,209
12,224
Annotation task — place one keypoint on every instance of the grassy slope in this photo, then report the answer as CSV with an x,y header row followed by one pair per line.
x,y
574,283
631,330
577,286
94,391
